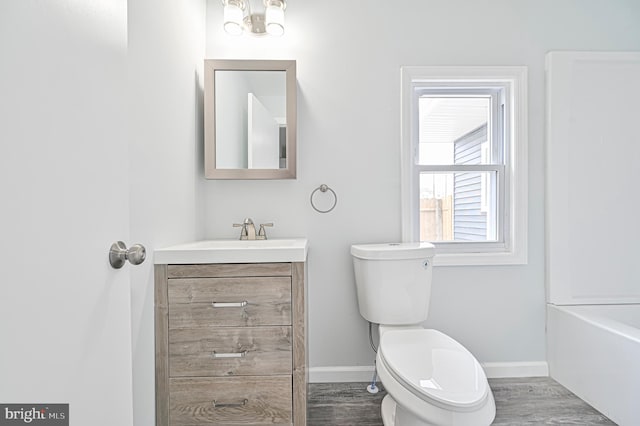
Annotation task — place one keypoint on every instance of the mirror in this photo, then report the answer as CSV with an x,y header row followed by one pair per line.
x,y
250,119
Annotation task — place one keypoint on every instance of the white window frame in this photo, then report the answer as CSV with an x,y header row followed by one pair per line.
x,y
512,245
484,182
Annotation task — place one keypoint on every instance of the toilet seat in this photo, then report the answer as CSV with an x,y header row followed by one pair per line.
x,y
435,368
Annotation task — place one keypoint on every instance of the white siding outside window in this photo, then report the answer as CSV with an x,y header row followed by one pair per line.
x,y
464,162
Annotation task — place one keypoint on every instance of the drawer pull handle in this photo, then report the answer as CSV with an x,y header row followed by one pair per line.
x,y
229,404
229,304
229,354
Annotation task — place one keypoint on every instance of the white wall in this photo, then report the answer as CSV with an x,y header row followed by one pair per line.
x,y
349,56
165,57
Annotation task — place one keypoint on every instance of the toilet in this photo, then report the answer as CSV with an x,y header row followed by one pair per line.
x,y
430,378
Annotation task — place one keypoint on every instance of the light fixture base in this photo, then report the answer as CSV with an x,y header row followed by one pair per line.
x,y
255,24
240,19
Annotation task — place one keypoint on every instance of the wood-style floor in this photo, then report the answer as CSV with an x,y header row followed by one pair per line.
x,y
528,401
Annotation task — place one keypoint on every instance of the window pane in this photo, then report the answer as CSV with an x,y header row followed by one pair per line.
x,y
450,127
458,206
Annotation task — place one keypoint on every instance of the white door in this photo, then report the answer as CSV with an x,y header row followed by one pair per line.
x,y
263,136
65,334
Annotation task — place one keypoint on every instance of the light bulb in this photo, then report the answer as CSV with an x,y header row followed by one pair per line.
x,y
274,18
233,19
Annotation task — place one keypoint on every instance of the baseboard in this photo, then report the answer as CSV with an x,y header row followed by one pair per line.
x,y
499,370
357,373
493,370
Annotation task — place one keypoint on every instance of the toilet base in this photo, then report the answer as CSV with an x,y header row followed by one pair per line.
x,y
394,415
388,411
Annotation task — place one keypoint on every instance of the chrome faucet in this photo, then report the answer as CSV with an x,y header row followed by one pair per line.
x,y
248,231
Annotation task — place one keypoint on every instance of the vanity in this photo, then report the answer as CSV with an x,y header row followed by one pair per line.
x,y
231,333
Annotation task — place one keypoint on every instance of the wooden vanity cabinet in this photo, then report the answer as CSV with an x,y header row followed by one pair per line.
x,y
231,344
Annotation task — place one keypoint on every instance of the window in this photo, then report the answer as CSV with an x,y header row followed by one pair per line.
x,y
464,164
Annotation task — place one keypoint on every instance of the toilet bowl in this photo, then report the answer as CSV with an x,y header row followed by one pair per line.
x,y
430,378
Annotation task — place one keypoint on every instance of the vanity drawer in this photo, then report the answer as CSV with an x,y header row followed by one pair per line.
x,y
229,302
230,351
230,401
219,270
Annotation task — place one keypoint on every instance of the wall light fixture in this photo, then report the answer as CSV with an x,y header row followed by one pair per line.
x,y
239,18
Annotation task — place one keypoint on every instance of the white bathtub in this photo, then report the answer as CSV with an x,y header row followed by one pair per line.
x,y
594,351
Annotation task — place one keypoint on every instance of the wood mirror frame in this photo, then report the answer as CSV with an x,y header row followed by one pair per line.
x,y
210,68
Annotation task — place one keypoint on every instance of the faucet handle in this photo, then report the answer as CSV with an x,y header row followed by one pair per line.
x,y
243,231
245,222
262,232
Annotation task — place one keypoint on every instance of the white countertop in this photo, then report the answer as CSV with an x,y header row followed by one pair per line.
x,y
234,251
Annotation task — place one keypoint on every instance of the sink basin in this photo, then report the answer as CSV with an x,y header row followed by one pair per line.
x,y
234,251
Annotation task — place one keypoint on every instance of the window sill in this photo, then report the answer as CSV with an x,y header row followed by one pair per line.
x,y
479,259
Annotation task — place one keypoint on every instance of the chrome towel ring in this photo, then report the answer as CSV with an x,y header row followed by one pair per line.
x,y
324,188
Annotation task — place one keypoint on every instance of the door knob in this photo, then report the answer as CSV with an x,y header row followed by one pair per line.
x,y
119,254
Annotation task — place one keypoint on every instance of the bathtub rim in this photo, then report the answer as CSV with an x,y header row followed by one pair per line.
x,y
601,321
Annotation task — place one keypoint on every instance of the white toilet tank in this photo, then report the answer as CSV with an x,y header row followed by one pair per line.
x,y
393,281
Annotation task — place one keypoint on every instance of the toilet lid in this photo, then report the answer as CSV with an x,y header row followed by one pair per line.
x,y
433,366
